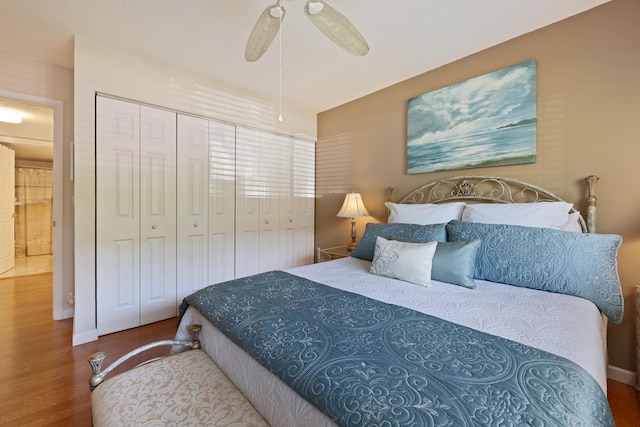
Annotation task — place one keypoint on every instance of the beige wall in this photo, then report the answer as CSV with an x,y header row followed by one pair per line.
x,y
588,123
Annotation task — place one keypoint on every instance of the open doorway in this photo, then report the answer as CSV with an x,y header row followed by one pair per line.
x,y
37,144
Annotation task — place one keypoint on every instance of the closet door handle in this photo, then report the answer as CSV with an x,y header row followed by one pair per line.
x,y
154,227
195,225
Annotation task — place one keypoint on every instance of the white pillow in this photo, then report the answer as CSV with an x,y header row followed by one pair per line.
x,y
424,214
573,223
406,261
542,214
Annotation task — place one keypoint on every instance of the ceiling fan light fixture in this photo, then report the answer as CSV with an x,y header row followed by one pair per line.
x,y
314,7
276,11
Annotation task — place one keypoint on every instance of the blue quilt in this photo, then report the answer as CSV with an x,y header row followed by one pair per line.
x,y
363,362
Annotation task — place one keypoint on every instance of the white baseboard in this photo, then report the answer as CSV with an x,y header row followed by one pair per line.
x,y
621,375
85,337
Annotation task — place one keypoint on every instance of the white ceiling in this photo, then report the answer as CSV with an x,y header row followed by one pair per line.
x,y
406,38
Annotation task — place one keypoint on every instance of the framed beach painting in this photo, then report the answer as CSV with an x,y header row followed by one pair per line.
x,y
485,121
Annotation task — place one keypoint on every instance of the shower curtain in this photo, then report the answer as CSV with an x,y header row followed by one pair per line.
x,y
34,211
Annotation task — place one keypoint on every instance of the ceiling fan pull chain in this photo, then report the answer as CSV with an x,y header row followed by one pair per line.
x,y
280,72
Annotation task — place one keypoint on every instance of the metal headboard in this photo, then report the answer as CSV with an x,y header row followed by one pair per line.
x,y
492,189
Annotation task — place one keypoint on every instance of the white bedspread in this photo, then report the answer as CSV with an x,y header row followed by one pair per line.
x,y
567,326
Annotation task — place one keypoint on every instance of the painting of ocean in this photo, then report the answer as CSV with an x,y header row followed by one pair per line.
x,y
489,120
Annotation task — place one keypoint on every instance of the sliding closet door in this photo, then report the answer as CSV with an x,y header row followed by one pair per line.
x,y
192,204
222,190
117,215
157,214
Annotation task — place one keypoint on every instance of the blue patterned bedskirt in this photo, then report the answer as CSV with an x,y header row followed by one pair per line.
x,y
363,362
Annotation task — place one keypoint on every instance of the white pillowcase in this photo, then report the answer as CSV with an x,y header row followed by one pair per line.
x,y
573,223
424,214
406,261
541,214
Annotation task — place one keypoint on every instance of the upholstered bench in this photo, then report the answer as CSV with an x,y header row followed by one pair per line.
x,y
184,389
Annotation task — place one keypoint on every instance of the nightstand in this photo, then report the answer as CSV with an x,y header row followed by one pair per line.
x,y
327,254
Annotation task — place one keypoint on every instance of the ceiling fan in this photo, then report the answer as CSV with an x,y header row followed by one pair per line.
x,y
328,20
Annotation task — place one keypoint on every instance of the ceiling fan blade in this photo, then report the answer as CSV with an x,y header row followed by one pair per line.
x,y
264,32
335,26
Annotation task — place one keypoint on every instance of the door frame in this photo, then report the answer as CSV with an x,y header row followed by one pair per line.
x,y
58,184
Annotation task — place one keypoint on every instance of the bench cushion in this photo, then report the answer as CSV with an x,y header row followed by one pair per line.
x,y
183,389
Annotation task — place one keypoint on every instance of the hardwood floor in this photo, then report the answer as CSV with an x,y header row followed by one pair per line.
x,y
44,380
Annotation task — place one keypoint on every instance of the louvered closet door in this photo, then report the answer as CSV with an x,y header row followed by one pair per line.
x,y
157,215
117,215
222,189
193,204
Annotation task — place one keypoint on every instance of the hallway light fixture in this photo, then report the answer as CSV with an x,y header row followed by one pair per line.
x,y
10,116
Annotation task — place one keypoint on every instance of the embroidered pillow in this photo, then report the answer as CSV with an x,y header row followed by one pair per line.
x,y
410,262
428,213
406,232
579,264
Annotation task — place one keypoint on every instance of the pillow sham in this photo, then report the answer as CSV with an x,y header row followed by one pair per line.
x,y
410,262
455,263
406,232
578,264
542,214
428,213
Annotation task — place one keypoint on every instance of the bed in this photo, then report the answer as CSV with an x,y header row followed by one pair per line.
x,y
509,329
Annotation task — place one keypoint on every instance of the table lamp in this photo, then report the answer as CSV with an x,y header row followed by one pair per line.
x,y
353,208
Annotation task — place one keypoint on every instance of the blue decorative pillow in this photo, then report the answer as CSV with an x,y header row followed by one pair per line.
x,y
455,262
579,264
398,231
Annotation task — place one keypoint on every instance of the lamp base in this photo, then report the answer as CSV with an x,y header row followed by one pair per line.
x,y
350,247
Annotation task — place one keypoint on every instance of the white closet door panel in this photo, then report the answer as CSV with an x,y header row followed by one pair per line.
x,y
222,203
304,182
247,253
117,215
249,191
193,204
274,171
158,214
290,247
193,267
304,245
249,184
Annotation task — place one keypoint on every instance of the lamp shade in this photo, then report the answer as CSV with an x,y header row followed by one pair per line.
x,y
353,207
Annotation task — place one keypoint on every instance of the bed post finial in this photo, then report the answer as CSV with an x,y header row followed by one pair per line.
x,y
390,194
592,202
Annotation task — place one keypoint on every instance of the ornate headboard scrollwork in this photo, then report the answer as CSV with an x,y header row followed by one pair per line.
x,y
491,189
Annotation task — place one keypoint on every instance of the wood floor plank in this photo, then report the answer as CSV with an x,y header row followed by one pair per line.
x,y
44,380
